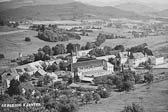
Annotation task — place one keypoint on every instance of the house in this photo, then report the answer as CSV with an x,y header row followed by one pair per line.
x,y
157,60
8,76
53,76
107,57
30,68
83,53
39,73
92,68
137,59
123,57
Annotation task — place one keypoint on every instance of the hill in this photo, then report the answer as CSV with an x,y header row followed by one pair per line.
x,y
163,13
73,10
19,3
136,7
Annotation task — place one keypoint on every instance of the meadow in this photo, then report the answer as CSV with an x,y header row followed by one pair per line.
x,y
153,99
12,44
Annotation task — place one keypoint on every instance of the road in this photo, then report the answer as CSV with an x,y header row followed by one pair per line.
x,y
11,32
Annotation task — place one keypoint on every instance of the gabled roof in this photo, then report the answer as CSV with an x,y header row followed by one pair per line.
x,y
115,52
138,55
123,54
87,64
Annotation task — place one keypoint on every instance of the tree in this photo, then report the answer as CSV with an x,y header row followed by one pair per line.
x,y
47,50
133,108
72,47
116,64
96,97
25,77
87,97
27,39
119,47
47,79
2,56
149,78
19,99
97,52
59,49
90,45
68,104
127,85
14,88
53,67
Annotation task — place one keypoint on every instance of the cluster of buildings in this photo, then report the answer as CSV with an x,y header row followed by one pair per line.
x,y
82,65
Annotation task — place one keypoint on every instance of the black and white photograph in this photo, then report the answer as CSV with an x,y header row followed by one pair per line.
x,y
83,55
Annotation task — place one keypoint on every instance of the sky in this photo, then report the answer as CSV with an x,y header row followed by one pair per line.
x,y
107,1
143,1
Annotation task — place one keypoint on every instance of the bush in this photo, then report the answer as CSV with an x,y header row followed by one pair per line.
x,y
27,39
133,108
68,104
104,94
2,56
149,78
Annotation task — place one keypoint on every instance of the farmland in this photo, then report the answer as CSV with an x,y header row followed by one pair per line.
x,y
12,44
153,99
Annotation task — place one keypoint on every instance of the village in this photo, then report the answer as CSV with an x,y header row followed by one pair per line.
x,y
88,75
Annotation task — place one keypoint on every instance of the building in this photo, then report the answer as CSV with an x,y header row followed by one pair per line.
x,y
92,68
83,53
30,68
123,57
157,60
137,59
8,76
106,57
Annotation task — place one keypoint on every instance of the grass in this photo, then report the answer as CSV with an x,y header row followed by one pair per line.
x,y
153,99
12,44
6,29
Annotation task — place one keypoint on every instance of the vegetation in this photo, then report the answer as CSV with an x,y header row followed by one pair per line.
x,y
27,39
133,108
141,48
148,78
2,56
56,35
25,77
14,88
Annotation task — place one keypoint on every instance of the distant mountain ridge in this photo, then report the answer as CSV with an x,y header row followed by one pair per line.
x,y
65,11
163,13
19,3
136,7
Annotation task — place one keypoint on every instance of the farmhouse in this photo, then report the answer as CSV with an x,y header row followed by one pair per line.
x,y
92,68
8,76
137,59
156,60
105,57
123,57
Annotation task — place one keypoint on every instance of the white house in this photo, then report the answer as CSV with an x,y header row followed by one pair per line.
x,y
106,57
83,53
157,60
123,56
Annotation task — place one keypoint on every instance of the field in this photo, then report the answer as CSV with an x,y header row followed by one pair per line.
x,y
6,29
12,44
153,99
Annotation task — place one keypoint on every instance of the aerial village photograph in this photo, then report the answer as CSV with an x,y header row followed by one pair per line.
x,y
83,55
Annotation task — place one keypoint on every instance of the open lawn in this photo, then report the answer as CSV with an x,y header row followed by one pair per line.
x,y
154,99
